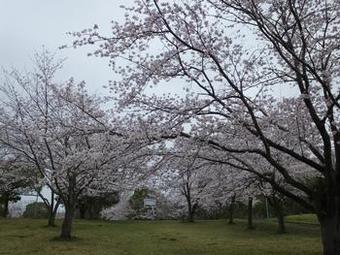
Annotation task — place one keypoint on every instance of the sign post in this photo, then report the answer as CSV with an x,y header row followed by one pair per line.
x,y
151,203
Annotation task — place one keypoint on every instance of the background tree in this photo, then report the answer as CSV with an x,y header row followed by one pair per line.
x,y
91,205
13,182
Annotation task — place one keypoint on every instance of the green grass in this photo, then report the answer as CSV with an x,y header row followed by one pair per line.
x,y
303,219
20,236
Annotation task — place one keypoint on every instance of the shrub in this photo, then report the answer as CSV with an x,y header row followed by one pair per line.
x,y
36,210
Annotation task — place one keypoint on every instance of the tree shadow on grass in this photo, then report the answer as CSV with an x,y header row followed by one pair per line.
x,y
59,239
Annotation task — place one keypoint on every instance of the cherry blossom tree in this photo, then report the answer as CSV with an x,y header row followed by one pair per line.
x,y
205,46
202,182
192,181
61,132
250,182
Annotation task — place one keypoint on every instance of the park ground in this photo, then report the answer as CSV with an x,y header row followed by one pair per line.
x,y
23,236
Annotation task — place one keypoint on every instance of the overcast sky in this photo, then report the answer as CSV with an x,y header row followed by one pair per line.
x,y
26,25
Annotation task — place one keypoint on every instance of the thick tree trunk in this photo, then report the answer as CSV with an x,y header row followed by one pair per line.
x,y
231,211
330,234
66,228
250,213
328,212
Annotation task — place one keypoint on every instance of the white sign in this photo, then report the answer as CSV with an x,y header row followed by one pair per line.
x,y
149,202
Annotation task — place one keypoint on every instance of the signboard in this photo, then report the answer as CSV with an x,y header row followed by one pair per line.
x,y
149,202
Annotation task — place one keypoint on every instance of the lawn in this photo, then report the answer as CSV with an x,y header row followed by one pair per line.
x,y
20,236
303,219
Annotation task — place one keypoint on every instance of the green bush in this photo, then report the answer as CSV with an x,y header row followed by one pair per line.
x,y
36,210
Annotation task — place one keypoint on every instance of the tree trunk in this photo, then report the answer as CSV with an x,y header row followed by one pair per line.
x,y
51,217
82,211
281,227
330,234
277,205
191,216
92,213
250,213
52,209
191,212
6,203
51,220
328,212
66,228
191,209
231,210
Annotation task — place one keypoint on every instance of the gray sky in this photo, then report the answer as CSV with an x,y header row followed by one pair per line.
x,y
26,25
